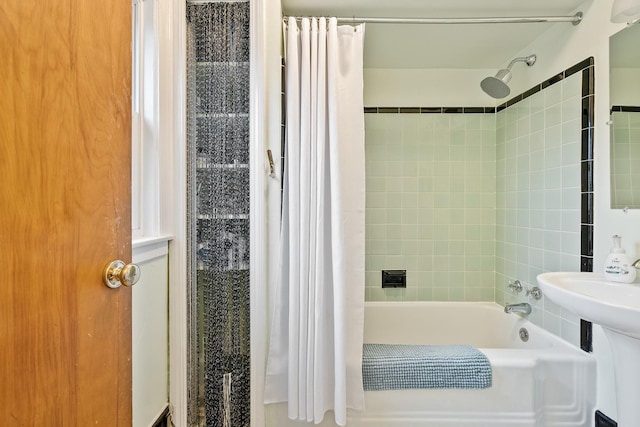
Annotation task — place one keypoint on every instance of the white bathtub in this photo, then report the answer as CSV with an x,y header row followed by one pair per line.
x,y
544,382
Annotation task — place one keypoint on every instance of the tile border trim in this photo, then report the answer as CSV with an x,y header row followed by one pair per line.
x,y
625,109
429,110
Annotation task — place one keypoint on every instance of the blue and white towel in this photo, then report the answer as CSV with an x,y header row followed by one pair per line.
x,y
395,367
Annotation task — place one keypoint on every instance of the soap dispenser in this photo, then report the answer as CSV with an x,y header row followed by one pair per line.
x,y
617,267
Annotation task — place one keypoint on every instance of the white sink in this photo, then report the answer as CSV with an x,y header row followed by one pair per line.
x,y
588,295
615,307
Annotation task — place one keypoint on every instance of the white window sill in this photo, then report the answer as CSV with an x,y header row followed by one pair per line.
x,y
148,248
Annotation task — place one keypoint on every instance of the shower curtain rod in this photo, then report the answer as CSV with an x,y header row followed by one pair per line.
x,y
574,19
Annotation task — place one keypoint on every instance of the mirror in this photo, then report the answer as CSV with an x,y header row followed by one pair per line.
x,y
624,84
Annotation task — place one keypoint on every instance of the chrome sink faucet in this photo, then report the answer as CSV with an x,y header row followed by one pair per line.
x,y
522,307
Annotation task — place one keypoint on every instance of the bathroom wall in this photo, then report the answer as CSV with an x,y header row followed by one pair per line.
x,y
557,49
150,334
430,204
538,204
426,87
430,208
538,197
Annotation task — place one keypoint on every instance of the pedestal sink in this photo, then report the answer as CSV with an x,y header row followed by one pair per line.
x,y
615,307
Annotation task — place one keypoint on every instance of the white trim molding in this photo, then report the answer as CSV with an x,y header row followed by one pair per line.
x,y
173,182
258,210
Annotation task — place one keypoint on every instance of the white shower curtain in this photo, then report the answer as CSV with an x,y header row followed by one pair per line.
x,y
315,352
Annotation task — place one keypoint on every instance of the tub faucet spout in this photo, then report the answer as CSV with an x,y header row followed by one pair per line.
x,y
523,307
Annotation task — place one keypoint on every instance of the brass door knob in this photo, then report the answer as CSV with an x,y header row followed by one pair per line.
x,y
117,273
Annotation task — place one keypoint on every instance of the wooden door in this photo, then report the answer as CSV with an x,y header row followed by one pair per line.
x,y
65,126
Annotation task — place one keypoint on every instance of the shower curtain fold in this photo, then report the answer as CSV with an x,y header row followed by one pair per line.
x,y
315,350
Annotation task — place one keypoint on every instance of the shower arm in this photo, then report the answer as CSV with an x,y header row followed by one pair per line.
x,y
529,60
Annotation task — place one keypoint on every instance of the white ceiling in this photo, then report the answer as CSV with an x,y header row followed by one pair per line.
x,y
440,46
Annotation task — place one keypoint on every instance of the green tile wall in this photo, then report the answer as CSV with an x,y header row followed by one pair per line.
x,y
538,197
431,197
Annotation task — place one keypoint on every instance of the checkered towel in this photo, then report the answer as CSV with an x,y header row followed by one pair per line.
x,y
394,367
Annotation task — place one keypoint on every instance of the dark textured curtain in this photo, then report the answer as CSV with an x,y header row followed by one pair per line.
x,y
218,140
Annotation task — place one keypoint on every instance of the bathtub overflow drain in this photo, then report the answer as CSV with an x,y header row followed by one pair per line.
x,y
524,334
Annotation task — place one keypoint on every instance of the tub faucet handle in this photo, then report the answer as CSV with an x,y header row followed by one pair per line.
x,y
636,264
535,292
515,286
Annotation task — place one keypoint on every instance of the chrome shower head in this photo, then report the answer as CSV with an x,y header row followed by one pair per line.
x,y
497,86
